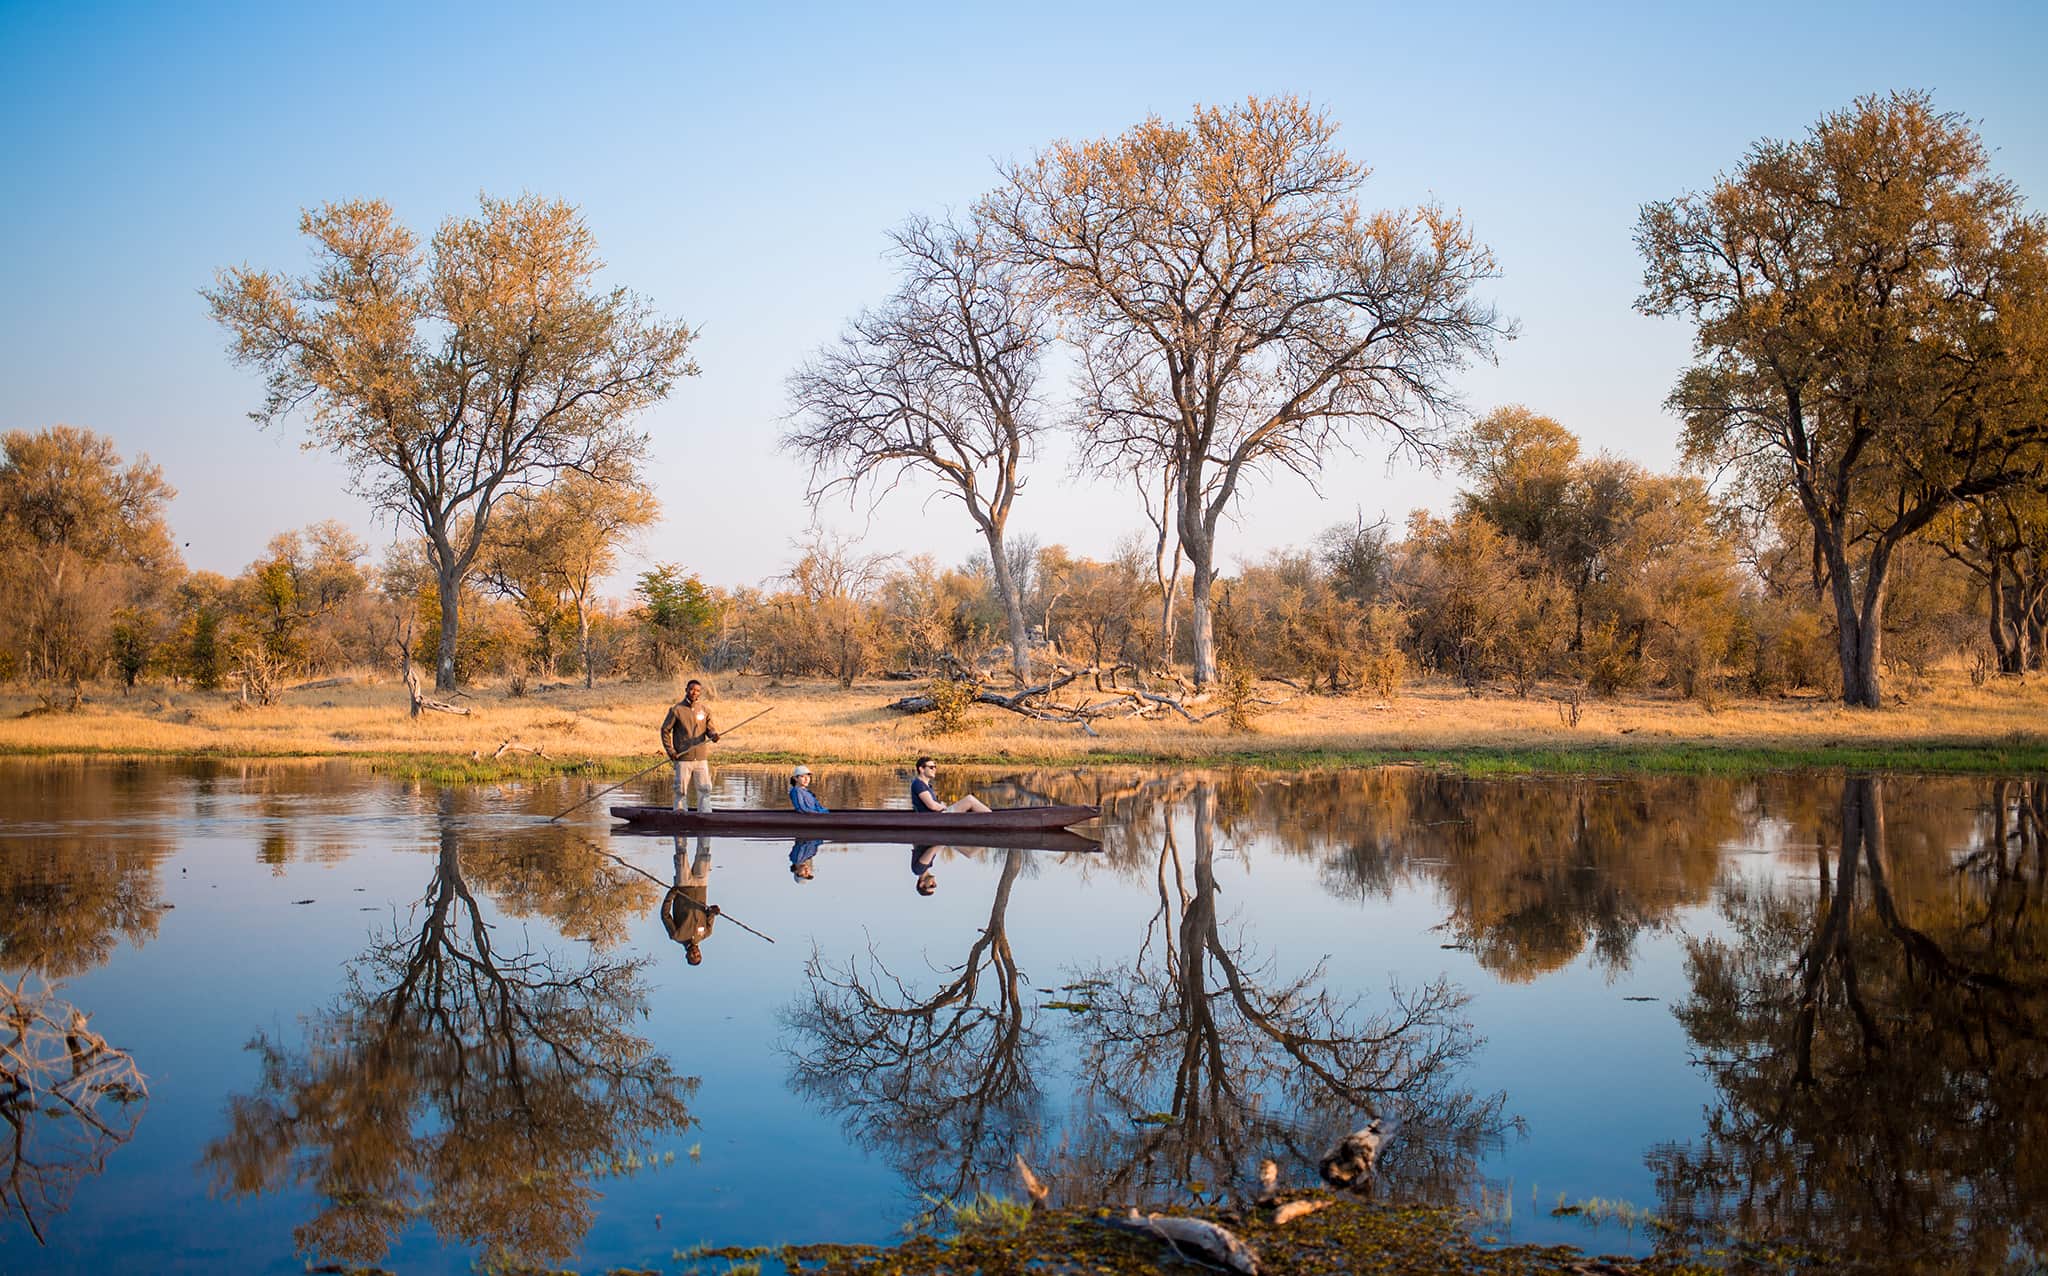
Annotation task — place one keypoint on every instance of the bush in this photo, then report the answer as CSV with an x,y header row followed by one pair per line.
x,y
1610,661
1238,690
1383,665
951,700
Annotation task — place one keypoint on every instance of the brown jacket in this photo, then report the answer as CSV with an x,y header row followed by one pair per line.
x,y
686,731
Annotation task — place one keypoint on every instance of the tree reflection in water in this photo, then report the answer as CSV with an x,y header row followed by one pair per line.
x,y
941,1082
1193,1059
67,1100
1879,1046
482,1089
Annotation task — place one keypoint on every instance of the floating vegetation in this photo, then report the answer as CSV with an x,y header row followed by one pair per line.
x,y
1598,1210
1348,1237
984,1211
1071,1007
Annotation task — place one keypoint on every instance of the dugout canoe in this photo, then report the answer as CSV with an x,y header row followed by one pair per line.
x,y
901,825
1056,840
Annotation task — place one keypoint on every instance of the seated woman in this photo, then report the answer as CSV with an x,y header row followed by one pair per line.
x,y
800,795
922,798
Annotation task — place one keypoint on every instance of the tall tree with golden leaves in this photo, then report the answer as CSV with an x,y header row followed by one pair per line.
x,y
1872,311
1237,312
447,379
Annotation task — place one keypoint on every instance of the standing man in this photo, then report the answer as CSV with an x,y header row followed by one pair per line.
x,y
687,737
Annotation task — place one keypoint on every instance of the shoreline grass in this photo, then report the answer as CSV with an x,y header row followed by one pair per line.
x,y
1946,727
1477,761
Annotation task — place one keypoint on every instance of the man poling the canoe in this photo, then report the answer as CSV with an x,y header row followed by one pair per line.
x,y
687,735
643,771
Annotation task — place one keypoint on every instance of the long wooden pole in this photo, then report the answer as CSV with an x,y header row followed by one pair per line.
x,y
614,788
637,774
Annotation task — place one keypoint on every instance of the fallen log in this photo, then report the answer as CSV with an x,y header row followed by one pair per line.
x,y
1032,702
344,680
513,746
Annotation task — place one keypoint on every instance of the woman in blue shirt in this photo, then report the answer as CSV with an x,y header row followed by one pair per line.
x,y
800,795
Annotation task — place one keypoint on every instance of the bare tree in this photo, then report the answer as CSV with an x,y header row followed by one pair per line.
x,y
447,384
938,381
1237,311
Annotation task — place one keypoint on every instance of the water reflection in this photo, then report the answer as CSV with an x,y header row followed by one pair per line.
x,y
1206,1056
1878,1042
687,913
1195,1056
483,1089
1536,871
69,893
67,1100
941,1082
1852,1060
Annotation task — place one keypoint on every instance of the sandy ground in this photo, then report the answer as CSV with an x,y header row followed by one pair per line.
x,y
822,721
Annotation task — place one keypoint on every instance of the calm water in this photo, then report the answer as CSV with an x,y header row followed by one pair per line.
x,y
334,1018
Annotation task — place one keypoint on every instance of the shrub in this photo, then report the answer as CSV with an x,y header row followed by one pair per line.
x,y
1610,661
951,699
1238,690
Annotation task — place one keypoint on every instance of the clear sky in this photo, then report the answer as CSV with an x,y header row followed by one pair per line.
x,y
739,165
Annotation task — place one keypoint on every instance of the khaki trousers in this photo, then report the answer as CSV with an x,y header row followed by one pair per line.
x,y
697,775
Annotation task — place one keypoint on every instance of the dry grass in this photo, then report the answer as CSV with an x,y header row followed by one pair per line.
x,y
822,722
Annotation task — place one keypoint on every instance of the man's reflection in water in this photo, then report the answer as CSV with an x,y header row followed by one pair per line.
x,y
686,913
800,856
921,860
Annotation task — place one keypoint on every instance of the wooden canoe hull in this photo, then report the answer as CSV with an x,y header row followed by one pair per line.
x,y
902,826
1054,840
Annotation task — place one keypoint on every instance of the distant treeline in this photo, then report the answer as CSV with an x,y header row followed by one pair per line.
x,y
1552,567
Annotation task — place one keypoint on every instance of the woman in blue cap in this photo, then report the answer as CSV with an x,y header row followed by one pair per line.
x,y
800,795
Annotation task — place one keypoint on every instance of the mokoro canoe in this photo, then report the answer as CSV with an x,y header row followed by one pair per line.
x,y
1054,840
934,826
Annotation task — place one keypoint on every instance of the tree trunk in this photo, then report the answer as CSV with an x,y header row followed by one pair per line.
x,y
1168,594
1202,622
1859,624
2005,651
451,601
1013,606
583,638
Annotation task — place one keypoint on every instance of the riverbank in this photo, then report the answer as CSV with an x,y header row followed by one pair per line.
x,y
1348,1237
1943,725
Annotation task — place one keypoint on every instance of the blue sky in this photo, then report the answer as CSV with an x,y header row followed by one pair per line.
x,y
740,168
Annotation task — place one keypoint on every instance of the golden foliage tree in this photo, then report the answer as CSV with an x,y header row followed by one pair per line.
x,y
548,548
447,380
1872,312
80,535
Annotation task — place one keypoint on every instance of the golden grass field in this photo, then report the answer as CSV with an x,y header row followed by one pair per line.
x,y
1941,723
